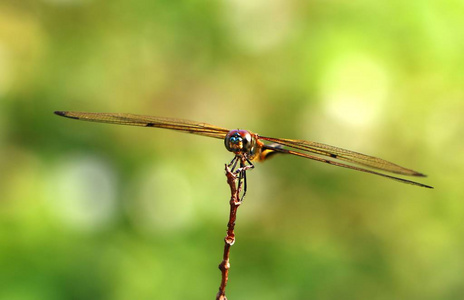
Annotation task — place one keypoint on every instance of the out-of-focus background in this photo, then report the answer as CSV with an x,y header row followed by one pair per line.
x,y
96,211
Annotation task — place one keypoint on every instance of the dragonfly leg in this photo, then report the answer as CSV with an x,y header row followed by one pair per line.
x,y
250,164
233,163
244,186
242,174
243,165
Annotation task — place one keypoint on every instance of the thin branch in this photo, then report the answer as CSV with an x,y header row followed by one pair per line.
x,y
229,240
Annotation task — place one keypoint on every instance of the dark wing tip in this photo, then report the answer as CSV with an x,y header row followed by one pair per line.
x,y
419,174
424,185
64,114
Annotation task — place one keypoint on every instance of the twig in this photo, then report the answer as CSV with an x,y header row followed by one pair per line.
x,y
229,240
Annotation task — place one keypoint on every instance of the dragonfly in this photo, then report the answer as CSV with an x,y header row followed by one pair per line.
x,y
249,147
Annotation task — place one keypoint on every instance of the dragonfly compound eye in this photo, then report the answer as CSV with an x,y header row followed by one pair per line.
x,y
239,141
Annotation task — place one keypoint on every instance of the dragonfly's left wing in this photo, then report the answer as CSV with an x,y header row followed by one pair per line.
x,y
149,121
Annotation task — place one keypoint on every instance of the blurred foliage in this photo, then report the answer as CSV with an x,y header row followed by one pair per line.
x,y
92,211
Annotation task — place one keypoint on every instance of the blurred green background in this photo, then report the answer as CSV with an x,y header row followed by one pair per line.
x,y
95,211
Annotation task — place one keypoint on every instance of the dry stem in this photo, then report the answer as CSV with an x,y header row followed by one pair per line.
x,y
229,240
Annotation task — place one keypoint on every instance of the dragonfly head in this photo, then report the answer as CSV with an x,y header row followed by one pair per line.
x,y
240,141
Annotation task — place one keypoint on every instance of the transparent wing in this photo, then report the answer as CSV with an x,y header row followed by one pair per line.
x,y
345,155
343,165
149,121
220,133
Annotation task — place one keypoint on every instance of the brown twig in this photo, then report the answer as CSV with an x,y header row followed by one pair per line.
x,y
229,240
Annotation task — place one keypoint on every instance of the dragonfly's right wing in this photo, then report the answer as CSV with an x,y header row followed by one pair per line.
x,y
346,155
343,165
334,153
149,121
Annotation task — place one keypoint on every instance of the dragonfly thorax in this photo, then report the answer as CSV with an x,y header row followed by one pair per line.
x,y
240,141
